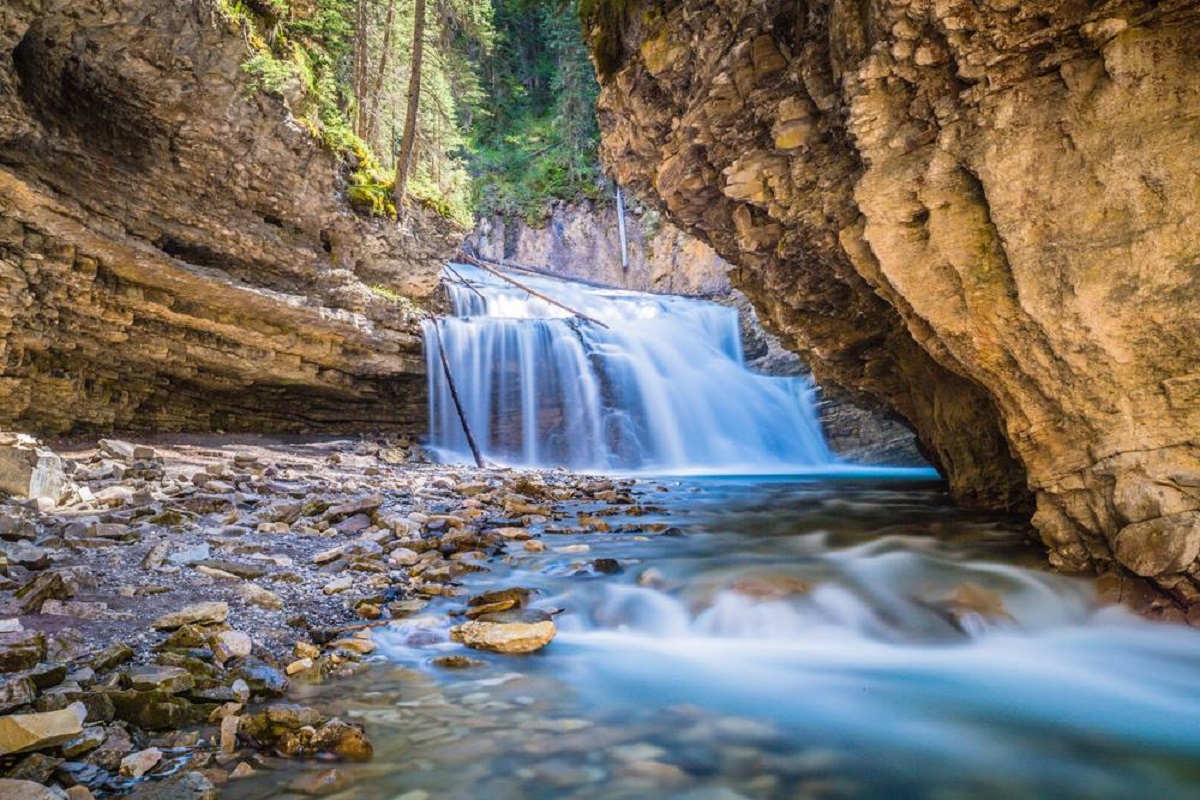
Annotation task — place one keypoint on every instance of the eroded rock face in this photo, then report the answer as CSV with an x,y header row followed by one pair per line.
x,y
174,251
983,214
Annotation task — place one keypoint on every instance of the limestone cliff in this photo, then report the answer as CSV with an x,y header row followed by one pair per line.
x,y
175,252
985,214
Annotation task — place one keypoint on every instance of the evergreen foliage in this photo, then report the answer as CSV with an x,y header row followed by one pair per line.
x,y
504,119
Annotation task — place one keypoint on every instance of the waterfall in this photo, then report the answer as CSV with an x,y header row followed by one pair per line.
x,y
621,228
664,388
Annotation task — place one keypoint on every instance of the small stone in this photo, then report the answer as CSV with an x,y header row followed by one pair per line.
x,y
229,731
80,792
306,650
573,549
171,680
20,733
36,767
231,644
256,595
534,546
198,614
319,784
404,557
342,584
242,770
26,790
190,555
299,665
183,786
457,662
89,740
135,765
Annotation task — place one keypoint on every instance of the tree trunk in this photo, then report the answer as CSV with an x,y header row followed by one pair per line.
x,y
372,126
414,101
361,18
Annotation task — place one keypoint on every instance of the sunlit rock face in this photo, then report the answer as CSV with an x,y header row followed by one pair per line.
x,y
987,215
174,250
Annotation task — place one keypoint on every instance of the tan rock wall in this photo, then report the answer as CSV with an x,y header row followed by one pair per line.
x,y
175,252
983,213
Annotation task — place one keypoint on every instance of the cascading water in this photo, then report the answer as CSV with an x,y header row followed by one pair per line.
x,y
663,388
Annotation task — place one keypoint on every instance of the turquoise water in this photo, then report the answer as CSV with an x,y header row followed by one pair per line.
x,y
790,639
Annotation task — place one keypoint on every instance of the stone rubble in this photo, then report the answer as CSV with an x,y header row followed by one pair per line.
x,y
156,623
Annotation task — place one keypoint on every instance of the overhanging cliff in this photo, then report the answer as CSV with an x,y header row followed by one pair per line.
x,y
987,215
175,251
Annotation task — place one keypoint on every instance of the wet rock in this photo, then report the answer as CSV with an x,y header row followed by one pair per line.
x,y
268,725
154,710
342,739
200,613
20,733
299,665
319,784
502,637
135,765
607,566
97,705
770,587
261,679
26,790
457,662
171,680
184,786
89,740
36,767
117,744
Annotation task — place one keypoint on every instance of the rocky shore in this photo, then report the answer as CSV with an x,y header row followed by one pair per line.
x,y
160,600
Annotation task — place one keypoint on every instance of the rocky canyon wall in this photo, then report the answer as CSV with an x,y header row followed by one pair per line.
x,y
175,252
984,214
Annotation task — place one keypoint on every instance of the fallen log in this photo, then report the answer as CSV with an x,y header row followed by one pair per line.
x,y
458,406
476,262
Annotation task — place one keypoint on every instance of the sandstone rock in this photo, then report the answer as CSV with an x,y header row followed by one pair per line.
x,y
229,732
89,740
16,692
516,637
171,680
135,765
198,614
29,470
268,725
26,790
231,644
263,598
20,733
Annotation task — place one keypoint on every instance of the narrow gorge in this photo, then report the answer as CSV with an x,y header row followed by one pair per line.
x,y
599,399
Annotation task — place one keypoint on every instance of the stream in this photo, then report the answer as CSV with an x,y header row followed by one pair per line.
x,y
766,621
787,638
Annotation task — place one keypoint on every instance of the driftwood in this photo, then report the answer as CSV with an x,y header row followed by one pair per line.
x,y
458,406
477,262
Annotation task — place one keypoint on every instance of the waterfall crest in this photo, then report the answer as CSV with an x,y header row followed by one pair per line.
x,y
664,388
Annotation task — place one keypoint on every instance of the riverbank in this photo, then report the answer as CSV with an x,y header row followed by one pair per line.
x,y
189,580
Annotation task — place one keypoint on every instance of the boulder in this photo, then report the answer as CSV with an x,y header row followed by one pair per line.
x,y
505,637
29,470
21,733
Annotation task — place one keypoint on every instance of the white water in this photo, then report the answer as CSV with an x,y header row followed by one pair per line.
x,y
663,389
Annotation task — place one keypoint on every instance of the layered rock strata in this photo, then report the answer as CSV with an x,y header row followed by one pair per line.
x,y
174,250
984,214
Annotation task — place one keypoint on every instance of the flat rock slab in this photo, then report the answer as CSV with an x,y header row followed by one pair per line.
x,y
502,637
198,614
23,732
